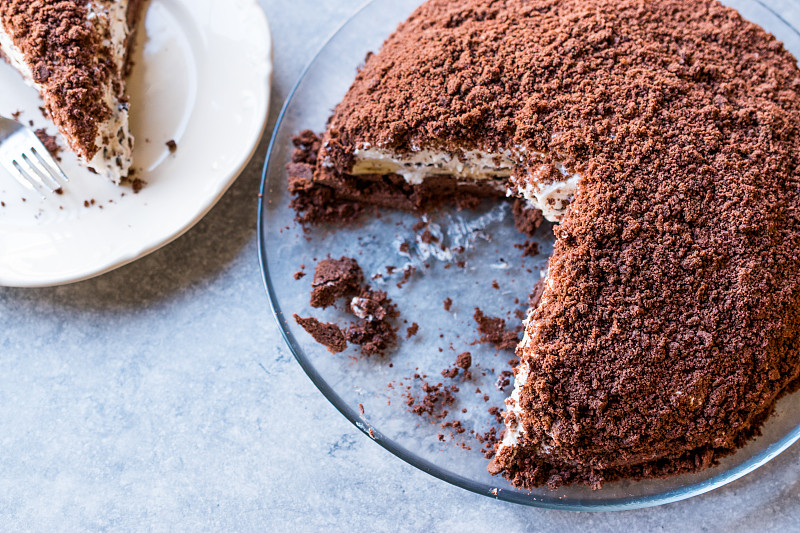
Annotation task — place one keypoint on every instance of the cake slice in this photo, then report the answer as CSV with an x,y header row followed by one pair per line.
x,y
76,54
663,137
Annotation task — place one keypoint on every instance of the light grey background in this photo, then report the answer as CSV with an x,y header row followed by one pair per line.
x,y
161,397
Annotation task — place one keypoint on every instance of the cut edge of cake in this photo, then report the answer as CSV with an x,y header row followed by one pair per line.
x,y
548,187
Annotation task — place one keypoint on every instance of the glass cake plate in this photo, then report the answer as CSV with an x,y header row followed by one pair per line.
x,y
479,249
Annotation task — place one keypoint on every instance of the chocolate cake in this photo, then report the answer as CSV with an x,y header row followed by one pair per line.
x,y
662,137
76,54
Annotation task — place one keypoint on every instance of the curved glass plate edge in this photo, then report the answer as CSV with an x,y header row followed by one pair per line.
x,y
621,504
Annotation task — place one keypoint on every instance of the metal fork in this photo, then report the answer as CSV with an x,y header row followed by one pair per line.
x,y
24,156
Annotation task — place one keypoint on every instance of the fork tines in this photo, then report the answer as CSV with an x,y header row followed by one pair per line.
x,y
35,172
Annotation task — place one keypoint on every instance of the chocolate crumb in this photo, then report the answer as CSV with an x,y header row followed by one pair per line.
x,y
407,273
428,238
433,400
489,441
529,248
504,380
450,373
526,220
374,333
327,334
464,360
49,142
334,278
493,331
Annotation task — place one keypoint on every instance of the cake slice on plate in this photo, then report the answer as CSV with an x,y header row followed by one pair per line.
x,y
664,139
76,54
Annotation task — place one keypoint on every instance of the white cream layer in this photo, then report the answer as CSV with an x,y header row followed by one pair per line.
x,y
416,166
14,55
113,158
516,430
551,197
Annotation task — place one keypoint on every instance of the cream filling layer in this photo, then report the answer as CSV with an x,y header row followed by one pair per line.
x,y
114,141
515,429
15,57
416,166
551,197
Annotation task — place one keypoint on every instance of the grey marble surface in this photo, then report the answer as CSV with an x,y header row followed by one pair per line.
x,y
161,397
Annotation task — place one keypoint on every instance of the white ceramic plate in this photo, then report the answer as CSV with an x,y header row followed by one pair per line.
x,y
201,77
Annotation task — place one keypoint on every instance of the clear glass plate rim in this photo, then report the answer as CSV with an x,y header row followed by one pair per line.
x,y
620,504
